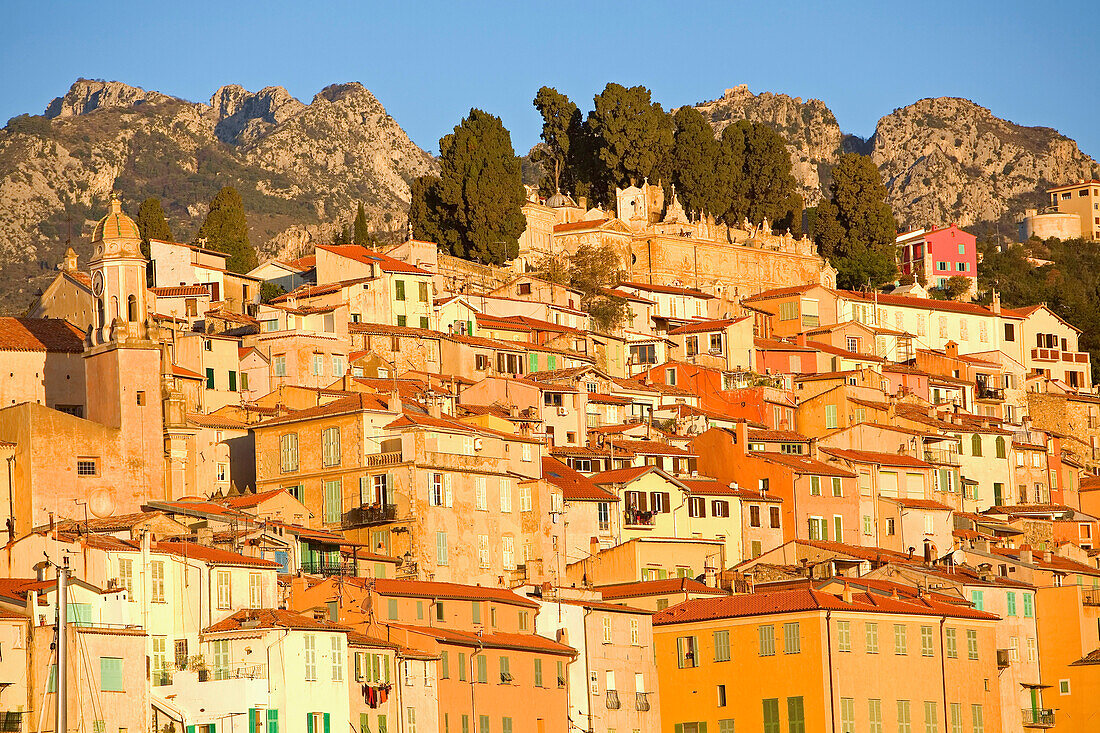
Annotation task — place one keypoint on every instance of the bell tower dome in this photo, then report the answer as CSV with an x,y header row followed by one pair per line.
x,y
118,280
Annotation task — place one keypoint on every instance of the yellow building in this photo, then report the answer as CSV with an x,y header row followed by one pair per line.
x,y
1083,199
805,660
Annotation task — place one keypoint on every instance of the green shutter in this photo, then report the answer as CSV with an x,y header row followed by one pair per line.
x,y
209,378
678,728
382,724
190,729
272,720
702,726
327,723
532,362
232,381
364,723
252,720
309,722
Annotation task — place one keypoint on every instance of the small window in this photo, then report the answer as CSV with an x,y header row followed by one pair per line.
x,y
141,397
87,467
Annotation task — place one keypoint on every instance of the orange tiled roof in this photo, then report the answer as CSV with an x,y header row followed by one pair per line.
x,y
884,459
272,618
701,326
655,588
574,486
212,555
494,640
180,291
453,591
368,256
40,334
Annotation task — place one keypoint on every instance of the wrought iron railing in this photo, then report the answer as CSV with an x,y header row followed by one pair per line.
x,y
371,514
1038,717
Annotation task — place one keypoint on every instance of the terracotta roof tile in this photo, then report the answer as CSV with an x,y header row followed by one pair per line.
x,y
272,618
701,326
495,640
454,591
181,291
367,256
574,486
40,334
884,459
655,588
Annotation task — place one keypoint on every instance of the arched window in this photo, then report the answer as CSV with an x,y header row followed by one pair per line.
x,y
975,442
114,308
1001,447
101,315
132,314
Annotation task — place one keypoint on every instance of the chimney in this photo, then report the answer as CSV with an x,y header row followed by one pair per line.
x,y
395,401
800,339
846,594
1026,554
1046,556
594,545
996,306
205,536
951,349
743,436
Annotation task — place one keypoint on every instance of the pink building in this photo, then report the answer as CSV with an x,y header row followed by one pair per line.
x,y
938,255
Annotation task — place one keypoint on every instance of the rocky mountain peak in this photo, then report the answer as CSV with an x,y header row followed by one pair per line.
x,y
244,117
88,95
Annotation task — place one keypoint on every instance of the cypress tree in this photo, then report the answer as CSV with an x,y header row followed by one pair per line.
x,y
362,233
152,224
633,138
226,230
560,121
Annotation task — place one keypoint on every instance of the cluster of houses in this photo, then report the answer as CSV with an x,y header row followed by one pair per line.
x,y
414,494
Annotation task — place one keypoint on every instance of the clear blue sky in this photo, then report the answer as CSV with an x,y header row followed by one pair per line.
x,y
428,62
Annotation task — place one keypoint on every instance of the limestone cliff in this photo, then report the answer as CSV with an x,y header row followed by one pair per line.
x,y
300,168
809,127
951,160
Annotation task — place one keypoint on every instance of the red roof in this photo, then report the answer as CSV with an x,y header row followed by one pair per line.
x,y
884,459
574,486
580,225
179,371
180,291
837,351
453,591
369,256
246,501
624,475
340,406
40,334
804,599
700,326
212,555
804,464
495,640
919,504
272,618
655,588
669,289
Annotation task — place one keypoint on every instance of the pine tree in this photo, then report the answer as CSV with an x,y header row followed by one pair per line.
x,y
152,224
475,206
226,230
633,137
855,228
362,232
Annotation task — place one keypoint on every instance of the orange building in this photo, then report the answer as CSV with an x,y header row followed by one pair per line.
x,y
1069,657
805,660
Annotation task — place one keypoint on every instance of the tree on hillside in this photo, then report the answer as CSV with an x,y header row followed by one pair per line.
x,y
955,287
695,162
593,270
342,235
560,119
769,185
362,231
855,228
633,137
226,230
730,191
152,224
474,208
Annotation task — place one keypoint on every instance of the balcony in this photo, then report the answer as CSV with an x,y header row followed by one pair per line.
x,y
1073,357
1090,597
989,393
235,672
161,677
1038,718
637,518
11,722
324,566
613,700
369,515
941,457
641,701
1003,658
378,460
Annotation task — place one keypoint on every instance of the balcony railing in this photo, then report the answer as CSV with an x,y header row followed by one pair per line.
x,y
1091,597
940,456
11,722
1004,658
371,514
161,677
324,566
641,701
613,700
638,518
237,672
1038,718
990,393
378,460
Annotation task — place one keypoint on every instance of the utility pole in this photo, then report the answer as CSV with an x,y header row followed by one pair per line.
x,y
62,647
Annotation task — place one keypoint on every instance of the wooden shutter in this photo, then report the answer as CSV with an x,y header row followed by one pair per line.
x,y
666,503
327,723
252,720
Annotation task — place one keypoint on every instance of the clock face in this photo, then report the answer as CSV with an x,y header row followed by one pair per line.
x,y
97,284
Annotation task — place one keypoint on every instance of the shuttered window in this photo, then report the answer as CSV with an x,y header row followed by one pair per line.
x,y
334,502
110,674
330,447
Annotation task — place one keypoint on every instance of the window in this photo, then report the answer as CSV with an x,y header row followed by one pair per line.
x,y
110,674
830,417
815,486
901,639
767,640
634,635
692,345
126,576
603,516
483,724
156,581
86,467
871,637
1029,610
874,716
334,502
771,715
930,717
788,311
721,646
847,715
224,590
505,670
725,725
337,659
686,652
1063,687
754,516
792,638
844,636
926,647
721,696
977,597
309,642
904,722
774,514
670,377
952,644
330,447
288,452
505,496
482,669
483,551
441,548
697,507
977,718
255,590
399,289
796,715
971,644
507,555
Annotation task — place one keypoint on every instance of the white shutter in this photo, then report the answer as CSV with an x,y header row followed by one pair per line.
x,y
508,553
505,496
365,490
447,497
479,493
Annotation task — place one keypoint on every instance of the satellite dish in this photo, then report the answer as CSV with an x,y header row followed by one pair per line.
x,y
958,557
